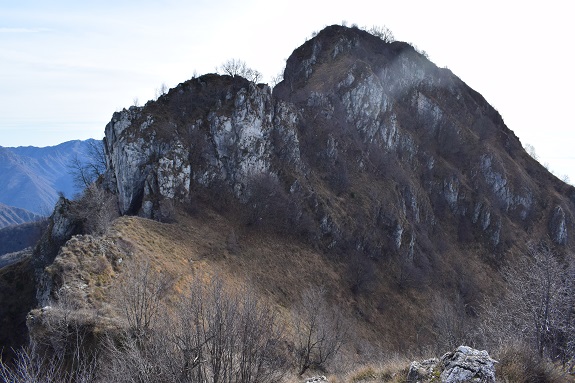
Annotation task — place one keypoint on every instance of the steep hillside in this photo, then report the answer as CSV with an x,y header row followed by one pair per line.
x,y
369,186
368,145
31,177
392,167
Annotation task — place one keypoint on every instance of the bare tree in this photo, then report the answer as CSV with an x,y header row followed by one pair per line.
x,y
383,33
320,331
162,90
538,306
277,79
236,67
86,171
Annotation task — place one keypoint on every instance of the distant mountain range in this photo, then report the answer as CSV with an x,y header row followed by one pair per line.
x,y
31,179
10,215
14,238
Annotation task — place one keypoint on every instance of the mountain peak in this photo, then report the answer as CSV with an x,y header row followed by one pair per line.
x,y
338,47
368,171
354,115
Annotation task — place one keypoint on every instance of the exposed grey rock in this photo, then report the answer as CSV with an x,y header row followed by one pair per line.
x,y
231,145
463,365
423,371
466,364
316,379
351,109
558,226
62,226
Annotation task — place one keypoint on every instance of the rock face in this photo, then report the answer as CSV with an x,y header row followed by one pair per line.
x,y
60,228
364,145
208,132
464,365
316,379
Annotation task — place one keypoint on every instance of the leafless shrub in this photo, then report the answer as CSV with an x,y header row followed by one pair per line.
x,y
232,242
519,363
167,210
85,172
530,149
214,335
538,306
235,67
132,360
141,293
320,331
31,367
28,367
450,323
227,337
277,79
259,358
61,349
383,33
361,274
95,209
268,204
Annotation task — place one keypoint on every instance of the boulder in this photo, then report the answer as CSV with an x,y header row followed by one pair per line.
x,y
463,365
316,379
424,371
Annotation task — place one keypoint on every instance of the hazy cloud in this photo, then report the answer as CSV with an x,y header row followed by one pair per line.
x,y
23,30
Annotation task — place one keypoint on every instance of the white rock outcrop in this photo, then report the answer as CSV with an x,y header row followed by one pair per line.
x,y
463,365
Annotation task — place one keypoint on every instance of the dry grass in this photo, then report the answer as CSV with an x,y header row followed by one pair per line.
x,y
278,269
519,364
198,247
391,371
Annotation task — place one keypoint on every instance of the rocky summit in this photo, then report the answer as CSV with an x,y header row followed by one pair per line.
x,y
374,147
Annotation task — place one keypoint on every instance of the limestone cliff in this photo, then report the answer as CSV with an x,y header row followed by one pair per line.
x,y
374,147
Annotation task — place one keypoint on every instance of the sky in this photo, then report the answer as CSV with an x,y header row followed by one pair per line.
x,y
67,66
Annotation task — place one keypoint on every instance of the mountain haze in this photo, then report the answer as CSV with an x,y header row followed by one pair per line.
x,y
14,216
31,177
369,179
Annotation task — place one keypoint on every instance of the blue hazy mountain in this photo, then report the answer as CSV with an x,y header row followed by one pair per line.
x,y
31,178
10,215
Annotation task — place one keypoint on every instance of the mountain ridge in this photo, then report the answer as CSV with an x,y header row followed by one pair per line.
x,y
391,112
368,174
31,178
10,215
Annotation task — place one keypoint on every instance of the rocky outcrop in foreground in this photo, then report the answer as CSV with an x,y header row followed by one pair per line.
x,y
463,365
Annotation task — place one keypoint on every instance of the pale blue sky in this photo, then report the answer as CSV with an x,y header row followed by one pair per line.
x,y
66,66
